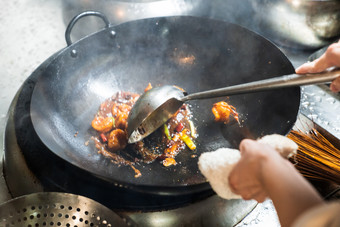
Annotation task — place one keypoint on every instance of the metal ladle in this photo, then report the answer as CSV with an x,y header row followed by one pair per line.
x,y
158,105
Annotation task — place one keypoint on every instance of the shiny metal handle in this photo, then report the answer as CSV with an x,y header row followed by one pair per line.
x,y
81,15
291,80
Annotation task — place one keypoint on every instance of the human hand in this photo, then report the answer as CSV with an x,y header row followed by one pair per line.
x,y
246,178
262,173
331,58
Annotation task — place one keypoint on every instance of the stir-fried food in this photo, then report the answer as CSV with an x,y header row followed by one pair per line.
x,y
110,122
222,112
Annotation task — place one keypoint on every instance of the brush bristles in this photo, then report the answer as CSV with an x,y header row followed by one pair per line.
x,y
316,158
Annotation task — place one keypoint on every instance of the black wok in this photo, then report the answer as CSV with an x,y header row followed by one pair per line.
x,y
194,53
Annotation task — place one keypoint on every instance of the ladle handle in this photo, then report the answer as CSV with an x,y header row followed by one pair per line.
x,y
291,80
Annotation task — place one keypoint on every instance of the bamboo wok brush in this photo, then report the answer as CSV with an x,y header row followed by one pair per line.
x,y
317,158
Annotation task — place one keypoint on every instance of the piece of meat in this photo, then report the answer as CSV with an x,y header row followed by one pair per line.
x,y
117,140
102,124
222,111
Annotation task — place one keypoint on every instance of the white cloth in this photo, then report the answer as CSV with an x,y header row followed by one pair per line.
x,y
217,165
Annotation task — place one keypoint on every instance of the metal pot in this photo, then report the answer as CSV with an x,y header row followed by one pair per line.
x,y
302,24
307,24
128,10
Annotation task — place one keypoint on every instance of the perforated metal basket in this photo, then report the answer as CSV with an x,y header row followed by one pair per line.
x,y
57,209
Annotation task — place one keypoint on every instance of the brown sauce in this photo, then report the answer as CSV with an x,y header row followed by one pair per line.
x,y
110,124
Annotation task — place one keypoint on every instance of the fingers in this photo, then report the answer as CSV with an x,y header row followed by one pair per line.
x,y
233,180
248,192
245,178
260,197
315,66
329,59
246,187
254,194
246,144
335,85
305,68
254,148
236,184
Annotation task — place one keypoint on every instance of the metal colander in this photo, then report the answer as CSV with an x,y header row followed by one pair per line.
x,y
57,209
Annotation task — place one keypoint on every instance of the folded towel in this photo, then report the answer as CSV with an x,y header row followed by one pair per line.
x,y
217,165
285,146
